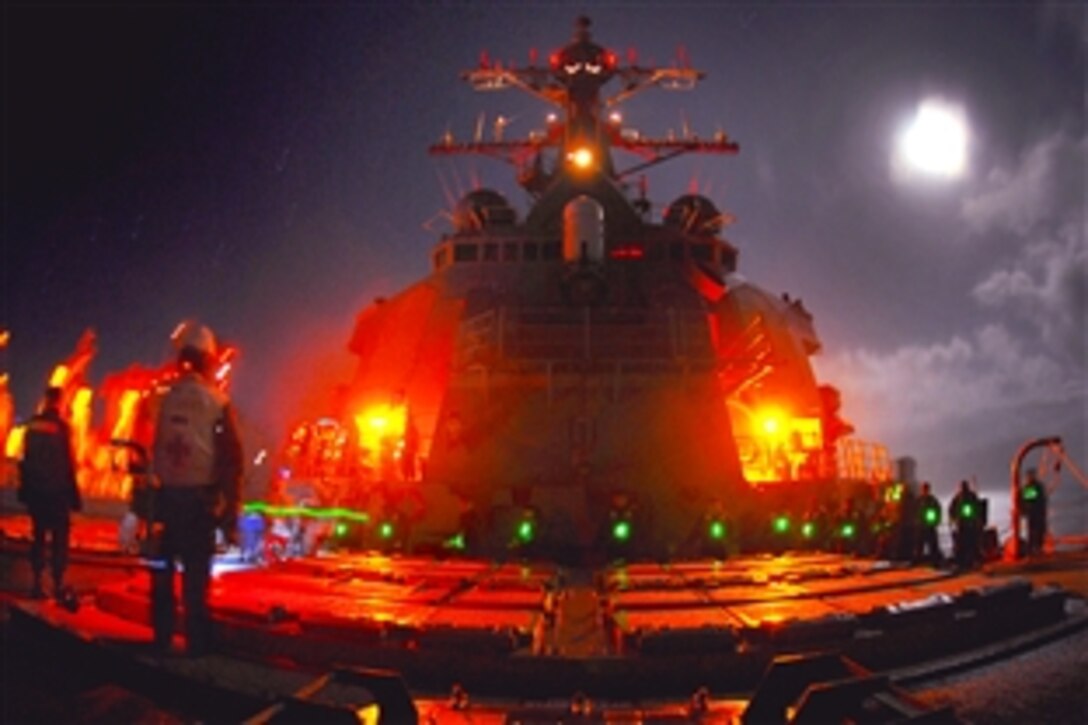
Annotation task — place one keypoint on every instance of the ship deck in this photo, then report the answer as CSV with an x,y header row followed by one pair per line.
x,y
523,631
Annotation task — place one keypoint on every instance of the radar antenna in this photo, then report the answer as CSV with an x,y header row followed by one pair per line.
x,y
573,81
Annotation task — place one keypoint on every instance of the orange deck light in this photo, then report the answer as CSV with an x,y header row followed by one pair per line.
x,y
380,431
771,422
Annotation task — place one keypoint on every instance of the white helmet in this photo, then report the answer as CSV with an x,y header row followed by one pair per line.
x,y
191,333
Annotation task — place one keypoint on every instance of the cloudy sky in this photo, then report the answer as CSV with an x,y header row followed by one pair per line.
x,y
264,169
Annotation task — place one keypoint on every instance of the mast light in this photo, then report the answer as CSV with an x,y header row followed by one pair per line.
x,y
582,158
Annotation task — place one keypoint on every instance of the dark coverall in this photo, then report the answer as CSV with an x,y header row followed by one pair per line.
x,y
928,518
48,488
965,511
198,461
1033,507
908,526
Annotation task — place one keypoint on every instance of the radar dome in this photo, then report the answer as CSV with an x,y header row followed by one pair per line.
x,y
483,208
694,213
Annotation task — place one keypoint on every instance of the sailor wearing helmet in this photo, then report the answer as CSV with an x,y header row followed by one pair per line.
x,y
197,459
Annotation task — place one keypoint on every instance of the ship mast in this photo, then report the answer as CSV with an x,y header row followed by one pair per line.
x,y
573,82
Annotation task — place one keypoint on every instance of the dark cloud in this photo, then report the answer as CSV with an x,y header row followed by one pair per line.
x,y
1039,206
1045,192
920,386
1046,286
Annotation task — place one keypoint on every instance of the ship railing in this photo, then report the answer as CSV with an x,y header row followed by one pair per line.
x,y
860,460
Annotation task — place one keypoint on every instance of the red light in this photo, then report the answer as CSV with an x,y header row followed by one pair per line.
x,y
629,252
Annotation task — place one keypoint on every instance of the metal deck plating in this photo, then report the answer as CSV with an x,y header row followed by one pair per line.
x,y
640,630
518,641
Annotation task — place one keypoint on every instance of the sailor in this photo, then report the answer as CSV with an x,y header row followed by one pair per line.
x,y
47,486
197,458
1033,507
965,511
907,520
928,512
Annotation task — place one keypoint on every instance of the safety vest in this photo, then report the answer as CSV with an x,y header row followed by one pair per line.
x,y
184,452
1032,494
929,510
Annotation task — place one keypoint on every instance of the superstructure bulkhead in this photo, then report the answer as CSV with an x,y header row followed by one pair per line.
x,y
605,378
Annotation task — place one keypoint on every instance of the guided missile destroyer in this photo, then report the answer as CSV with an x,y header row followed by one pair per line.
x,y
587,374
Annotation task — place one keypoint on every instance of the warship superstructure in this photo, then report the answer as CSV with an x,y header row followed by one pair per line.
x,y
583,371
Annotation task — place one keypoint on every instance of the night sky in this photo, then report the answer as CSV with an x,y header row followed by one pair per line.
x,y
265,170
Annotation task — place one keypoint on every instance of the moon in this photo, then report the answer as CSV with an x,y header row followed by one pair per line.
x,y
934,142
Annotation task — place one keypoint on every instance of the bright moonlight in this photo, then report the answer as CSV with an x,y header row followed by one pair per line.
x,y
934,143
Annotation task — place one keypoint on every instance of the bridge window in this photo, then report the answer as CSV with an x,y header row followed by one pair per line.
x,y
510,252
702,252
491,252
465,253
729,260
530,252
550,251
